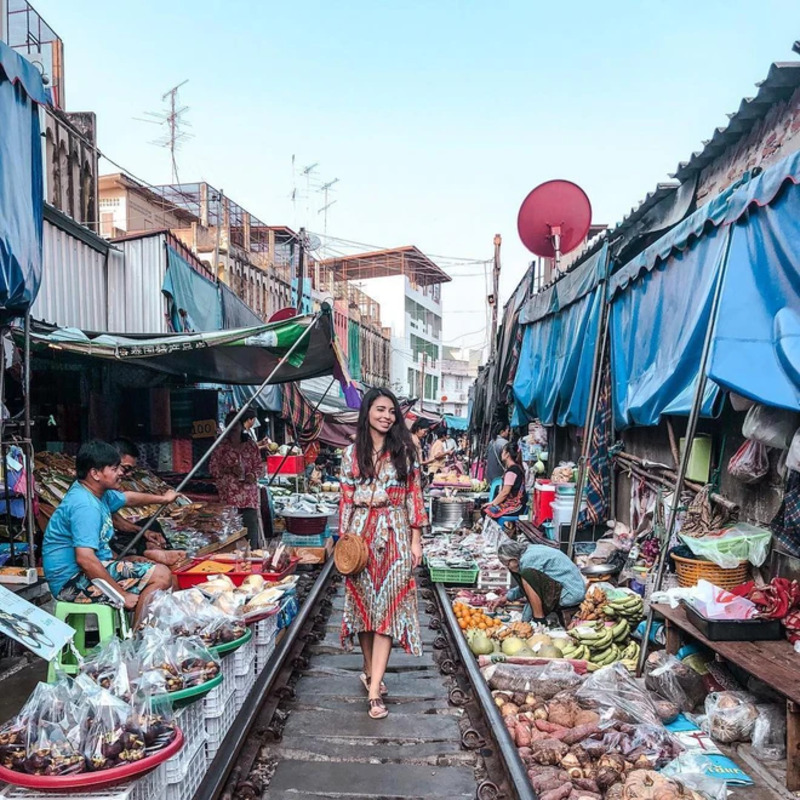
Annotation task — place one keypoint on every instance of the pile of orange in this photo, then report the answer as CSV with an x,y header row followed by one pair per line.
x,y
469,617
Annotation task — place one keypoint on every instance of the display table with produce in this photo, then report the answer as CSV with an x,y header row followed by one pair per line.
x,y
774,662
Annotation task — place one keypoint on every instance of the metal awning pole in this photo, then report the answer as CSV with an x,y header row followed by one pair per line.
x,y
691,428
591,413
146,527
29,489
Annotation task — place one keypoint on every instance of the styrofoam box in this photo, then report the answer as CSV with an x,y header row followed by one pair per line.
x,y
195,770
217,699
216,730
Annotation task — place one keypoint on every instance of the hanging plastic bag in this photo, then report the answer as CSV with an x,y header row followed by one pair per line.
x,y
156,660
53,753
195,661
750,463
151,719
773,427
769,733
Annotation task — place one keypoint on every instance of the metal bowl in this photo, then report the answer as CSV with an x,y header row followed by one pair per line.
x,y
595,570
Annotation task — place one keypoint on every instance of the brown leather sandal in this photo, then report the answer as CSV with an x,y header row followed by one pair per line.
x,y
377,708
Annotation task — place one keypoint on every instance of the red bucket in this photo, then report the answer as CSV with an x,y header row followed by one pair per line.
x,y
544,495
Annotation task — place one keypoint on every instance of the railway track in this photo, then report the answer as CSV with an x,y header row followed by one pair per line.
x,y
304,733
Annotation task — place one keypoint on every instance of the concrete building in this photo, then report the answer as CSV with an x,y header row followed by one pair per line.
x,y
459,370
407,284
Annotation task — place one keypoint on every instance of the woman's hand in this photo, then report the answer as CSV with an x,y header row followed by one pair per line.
x,y
493,605
416,552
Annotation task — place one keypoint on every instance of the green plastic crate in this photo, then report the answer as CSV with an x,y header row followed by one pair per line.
x,y
465,577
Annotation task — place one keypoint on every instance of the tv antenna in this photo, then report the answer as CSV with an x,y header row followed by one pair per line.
x,y
172,119
325,188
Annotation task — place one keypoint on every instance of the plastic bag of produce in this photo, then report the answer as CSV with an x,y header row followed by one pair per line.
x,y
543,681
773,427
108,668
151,719
750,463
729,547
730,716
613,688
674,681
769,733
112,738
157,660
52,752
196,662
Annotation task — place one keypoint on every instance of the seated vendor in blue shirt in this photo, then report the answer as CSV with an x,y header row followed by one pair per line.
x,y
546,579
76,542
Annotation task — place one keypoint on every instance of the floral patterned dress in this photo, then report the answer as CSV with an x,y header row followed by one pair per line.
x,y
383,597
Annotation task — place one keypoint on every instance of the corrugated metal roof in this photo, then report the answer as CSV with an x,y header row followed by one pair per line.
x,y
781,82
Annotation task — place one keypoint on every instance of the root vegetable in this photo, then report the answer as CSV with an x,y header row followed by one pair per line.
x,y
645,784
587,718
548,752
579,734
586,785
524,752
607,777
615,792
584,759
563,713
509,710
523,734
547,784
541,711
582,795
549,727
612,761
561,793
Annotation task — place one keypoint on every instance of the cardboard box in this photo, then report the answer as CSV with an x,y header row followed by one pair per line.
x,y
312,555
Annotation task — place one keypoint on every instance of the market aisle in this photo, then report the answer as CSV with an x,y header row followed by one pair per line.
x,y
330,747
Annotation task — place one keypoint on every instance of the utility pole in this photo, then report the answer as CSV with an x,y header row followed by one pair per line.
x,y
494,299
301,269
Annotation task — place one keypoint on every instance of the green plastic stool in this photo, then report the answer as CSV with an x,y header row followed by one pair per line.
x,y
74,614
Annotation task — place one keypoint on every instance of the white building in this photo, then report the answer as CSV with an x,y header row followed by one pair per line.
x,y
407,284
459,370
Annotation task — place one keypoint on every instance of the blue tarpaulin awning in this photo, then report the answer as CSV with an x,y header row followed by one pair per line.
x,y
21,184
554,373
194,301
755,349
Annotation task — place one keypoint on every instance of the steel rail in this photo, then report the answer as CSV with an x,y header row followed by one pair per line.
x,y
513,763
216,776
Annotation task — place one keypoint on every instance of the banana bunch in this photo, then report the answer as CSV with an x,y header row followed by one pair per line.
x,y
630,607
630,657
602,644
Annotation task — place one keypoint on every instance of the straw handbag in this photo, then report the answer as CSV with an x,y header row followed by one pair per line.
x,y
351,553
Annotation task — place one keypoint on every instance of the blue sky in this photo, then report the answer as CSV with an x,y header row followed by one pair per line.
x,y
437,117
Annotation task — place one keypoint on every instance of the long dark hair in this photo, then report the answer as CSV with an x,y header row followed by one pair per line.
x,y
512,448
398,444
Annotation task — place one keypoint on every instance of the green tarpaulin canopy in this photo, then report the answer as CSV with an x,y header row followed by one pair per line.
x,y
240,356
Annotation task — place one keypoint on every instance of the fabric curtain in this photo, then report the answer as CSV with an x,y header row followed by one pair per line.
x,y
21,184
194,300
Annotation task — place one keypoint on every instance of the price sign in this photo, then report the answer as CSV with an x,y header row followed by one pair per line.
x,y
204,429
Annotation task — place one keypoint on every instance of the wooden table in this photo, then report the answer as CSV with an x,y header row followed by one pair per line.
x,y
775,663
216,547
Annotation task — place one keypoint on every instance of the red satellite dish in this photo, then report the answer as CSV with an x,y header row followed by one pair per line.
x,y
283,313
554,218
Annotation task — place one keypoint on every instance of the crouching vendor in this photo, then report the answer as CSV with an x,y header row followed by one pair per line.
x,y
76,547
545,578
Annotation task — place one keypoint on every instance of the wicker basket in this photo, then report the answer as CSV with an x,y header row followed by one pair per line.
x,y
691,570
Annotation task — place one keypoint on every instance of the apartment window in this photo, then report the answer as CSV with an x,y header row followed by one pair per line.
x,y
459,383
413,381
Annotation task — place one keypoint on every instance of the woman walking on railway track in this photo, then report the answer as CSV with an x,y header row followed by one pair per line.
x,y
382,502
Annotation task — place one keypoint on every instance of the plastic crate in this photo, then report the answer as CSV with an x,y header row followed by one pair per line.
x,y
152,786
216,701
315,540
216,730
192,723
244,683
240,662
464,577
265,630
123,791
263,654
189,783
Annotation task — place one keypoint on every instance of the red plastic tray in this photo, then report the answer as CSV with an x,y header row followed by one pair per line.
x,y
187,580
95,780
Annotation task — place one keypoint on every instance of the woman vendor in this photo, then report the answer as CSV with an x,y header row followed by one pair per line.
x,y
236,464
546,579
512,497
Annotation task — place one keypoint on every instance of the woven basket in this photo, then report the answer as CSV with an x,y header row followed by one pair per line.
x,y
305,526
691,570
350,554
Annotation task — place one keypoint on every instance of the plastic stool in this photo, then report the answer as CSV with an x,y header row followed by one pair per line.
x,y
74,614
